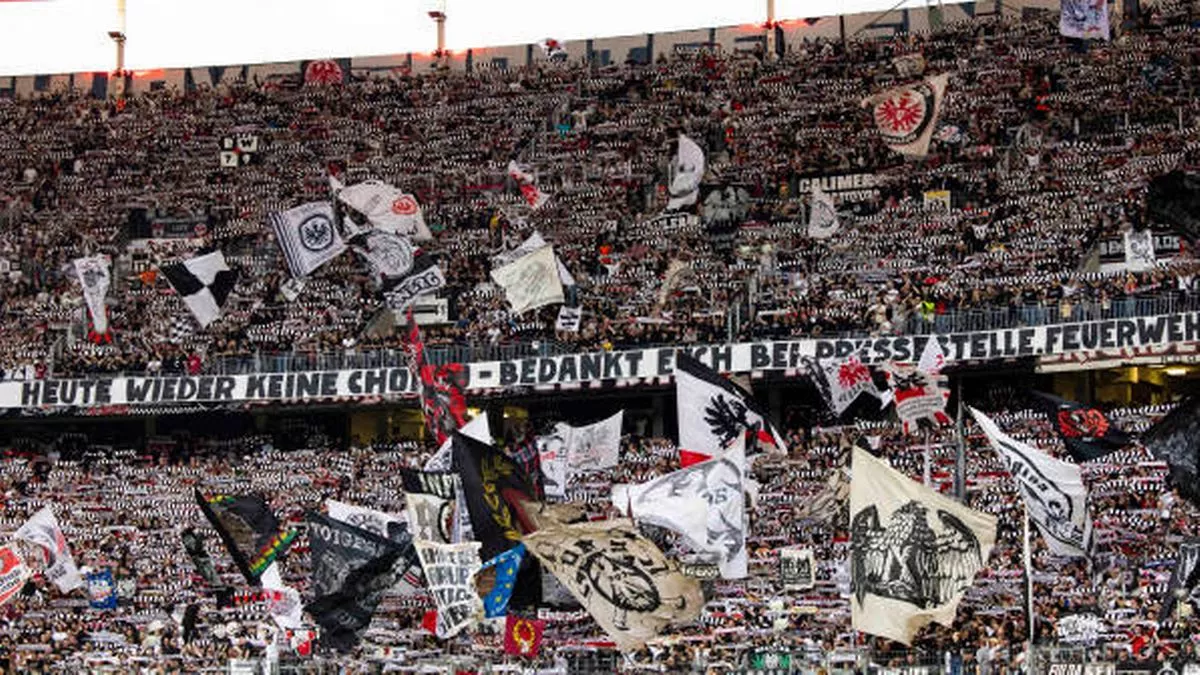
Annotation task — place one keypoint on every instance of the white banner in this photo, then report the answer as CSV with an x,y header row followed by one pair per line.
x,y
1055,494
94,278
552,459
595,446
379,523
608,368
906,116
450,571
531,281
797,569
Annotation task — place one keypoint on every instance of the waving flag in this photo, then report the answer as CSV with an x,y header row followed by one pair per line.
x,y
506,565
687,170
906,116
913,551
387,208
713,412
94,279
308,237
529,189
1175,439
918,395
523,637
450,571
1084,19
823,220
204,283
42,529
1087,432
704,502
623,580
249,529
1055,495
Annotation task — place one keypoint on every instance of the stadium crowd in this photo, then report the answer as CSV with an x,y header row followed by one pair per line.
x,y
124,509
1044,147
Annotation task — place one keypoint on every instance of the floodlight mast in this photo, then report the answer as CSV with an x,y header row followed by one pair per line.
x,y
118,38
439,16
770,29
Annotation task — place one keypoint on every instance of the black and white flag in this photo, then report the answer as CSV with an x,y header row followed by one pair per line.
x,y
94,278
424,277
1055,495
687,170
1185,579
204,283
1175,439
450,571
913,551
352,569
823,220
704,502
713,412
308,237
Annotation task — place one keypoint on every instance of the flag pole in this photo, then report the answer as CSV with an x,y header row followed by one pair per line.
x,y
1028,558
960,457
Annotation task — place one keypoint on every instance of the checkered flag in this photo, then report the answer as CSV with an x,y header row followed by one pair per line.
x,y
238,150
204,283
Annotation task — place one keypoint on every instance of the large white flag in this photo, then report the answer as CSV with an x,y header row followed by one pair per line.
x,y
823,220
531,281
933,358
42,529
387,208
714,412
308,237
704,502
621,578
283,602
94,278
918,395
1055,494
913,551
1084,19
906,116
687,170
533,243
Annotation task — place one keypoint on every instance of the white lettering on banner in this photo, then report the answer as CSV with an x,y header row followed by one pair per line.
x,y
1034,342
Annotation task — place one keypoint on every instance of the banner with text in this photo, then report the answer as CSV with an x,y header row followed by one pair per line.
x,y
597,368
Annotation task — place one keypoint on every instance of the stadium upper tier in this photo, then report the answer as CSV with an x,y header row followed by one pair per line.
x,y
1038,167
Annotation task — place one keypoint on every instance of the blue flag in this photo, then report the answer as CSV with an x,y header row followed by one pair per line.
x,y
102,590
495,603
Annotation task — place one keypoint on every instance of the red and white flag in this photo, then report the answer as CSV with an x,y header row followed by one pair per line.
x,y
529,189
917,394
846,381
907,116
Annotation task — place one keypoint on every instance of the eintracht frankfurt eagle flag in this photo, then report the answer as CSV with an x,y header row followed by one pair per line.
x,y
714,411
1055,495
906,116
913,551
308,237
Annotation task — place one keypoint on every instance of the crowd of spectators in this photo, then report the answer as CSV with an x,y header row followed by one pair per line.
x,y
1044,146
123,508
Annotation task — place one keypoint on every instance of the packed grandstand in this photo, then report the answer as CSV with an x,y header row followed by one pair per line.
x,y
284,361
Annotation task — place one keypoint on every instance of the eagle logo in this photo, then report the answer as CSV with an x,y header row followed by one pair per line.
x,y
907,560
